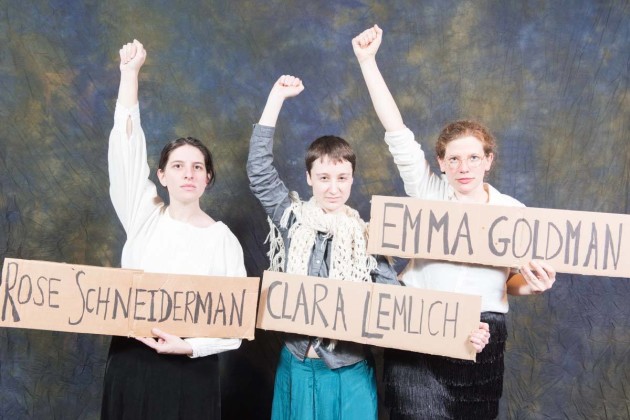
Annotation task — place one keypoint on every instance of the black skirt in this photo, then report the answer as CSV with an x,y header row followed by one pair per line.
x,y
424,386
142,384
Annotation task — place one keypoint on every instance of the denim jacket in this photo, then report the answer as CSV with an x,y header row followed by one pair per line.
x,y
274,197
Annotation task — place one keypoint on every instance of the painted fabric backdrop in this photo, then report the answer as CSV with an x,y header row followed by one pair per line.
x,y
551,79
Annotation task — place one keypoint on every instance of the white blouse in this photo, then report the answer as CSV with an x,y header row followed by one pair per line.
x,y
420,182
156,242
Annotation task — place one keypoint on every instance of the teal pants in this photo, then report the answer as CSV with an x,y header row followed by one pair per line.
x,y
309,390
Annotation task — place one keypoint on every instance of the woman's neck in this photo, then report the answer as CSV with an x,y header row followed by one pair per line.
x,y
479,196
189,213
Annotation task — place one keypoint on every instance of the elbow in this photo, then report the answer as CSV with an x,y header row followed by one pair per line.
x,y
230,344
249,167
237,344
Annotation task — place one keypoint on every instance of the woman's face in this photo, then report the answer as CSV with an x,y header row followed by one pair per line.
x,y
184,176
465,166
331,183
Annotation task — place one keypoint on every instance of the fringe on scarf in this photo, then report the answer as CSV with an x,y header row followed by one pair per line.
x,y
349,259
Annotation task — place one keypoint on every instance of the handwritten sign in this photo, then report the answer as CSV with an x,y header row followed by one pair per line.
x,y
572,241
382,315
113,301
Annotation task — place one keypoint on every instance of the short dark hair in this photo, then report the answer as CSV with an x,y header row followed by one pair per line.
x,y
190,141
336,148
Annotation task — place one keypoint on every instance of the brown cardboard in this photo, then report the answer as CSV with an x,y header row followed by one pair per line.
x,y
571,241
431,322
113,301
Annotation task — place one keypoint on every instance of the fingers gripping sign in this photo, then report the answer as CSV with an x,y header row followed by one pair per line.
x,y
539,276
366,44
165,343
480,337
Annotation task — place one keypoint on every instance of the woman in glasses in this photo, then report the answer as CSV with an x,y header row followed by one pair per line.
x,y
422,386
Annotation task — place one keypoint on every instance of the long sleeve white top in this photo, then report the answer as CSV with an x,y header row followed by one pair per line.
x,y
156,242
420,182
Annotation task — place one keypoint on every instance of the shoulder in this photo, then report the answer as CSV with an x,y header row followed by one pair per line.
x,y
500,199
218,227
291,210
219,231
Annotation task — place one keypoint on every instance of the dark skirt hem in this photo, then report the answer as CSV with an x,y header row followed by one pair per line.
x,y
422,386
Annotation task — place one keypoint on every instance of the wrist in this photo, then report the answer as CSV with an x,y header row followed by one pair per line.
x,y
367,61
127,72
275,98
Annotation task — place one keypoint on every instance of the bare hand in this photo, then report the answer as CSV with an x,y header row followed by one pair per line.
x,y
132,56
166,343
365,45
287,86
539,276
480,337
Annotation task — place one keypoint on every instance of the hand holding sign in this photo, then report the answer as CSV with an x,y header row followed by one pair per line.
x,y
540,277
534,278
480,337
166,343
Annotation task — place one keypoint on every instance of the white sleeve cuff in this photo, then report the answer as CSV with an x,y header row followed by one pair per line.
x,y
202,346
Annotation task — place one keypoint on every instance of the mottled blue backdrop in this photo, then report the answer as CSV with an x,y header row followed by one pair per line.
x,y
551,78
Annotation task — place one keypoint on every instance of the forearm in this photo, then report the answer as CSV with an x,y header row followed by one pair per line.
x,y
128,93
517,286
272,110
264,181
382,99
128,88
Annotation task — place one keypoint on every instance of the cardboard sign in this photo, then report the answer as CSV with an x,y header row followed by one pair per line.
x,y
382,315
113,301
571,241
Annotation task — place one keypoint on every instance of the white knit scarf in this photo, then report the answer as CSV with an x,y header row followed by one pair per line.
x,y
349,259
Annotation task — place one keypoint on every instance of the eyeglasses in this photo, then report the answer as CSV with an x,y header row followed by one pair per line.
x,y
473,161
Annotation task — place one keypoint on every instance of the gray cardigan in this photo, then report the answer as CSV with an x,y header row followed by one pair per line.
x,y
274,197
